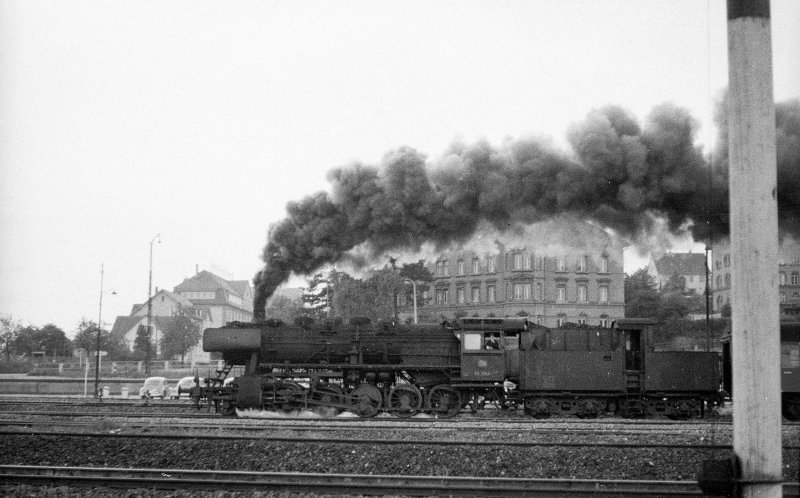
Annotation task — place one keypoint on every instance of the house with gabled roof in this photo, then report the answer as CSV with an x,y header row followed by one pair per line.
x,y
211,300
690,266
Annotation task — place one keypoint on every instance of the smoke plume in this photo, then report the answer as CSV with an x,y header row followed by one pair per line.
x,y
622,175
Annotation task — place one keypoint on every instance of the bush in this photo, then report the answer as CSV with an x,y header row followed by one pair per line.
x,y
16,365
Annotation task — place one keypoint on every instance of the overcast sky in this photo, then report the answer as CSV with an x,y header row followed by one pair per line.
x,y
199,120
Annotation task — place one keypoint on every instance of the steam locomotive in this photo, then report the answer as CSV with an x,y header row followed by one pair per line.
x,y
368,368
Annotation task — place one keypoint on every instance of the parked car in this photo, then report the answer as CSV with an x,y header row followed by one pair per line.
x,y
154,387
184,386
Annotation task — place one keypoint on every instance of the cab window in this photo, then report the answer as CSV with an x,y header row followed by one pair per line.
x,y
472,341
491,340
511,341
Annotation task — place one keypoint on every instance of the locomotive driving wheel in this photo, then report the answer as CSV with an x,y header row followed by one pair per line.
x,y
405,400
443,401
326,395
365,400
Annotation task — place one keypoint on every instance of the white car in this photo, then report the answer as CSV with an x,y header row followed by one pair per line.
x,y
184,386
154,387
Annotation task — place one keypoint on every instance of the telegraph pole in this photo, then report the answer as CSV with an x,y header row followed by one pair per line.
x,y
754,250
150,306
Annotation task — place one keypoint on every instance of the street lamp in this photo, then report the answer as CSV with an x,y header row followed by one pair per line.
x,y
150,305
414,290
99,329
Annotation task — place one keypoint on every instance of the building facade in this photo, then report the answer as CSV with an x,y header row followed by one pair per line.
x,y
551,288
690,266
788,275
209,299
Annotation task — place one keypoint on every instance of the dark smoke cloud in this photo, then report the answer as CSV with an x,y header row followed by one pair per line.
x,y
622,175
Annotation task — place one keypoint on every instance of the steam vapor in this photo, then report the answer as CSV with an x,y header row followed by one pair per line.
x,y
622,175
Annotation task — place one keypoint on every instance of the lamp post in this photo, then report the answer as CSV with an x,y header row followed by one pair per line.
x,y
150,306
99,330
414,291
97,346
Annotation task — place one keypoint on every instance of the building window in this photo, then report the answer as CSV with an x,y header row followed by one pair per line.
x,y
783,278
727,260
540,262
526,290
719,302
582,293
446,268
561,320
728,281
581,264
476,266
476,294
460,266
526,261
795,295
517,291
604,321
795,278
783,297
561,264
561,292
719,281
490,294
581,319
539,291
603,264
441,296
491,264
460,295
603,293
517,261
508,291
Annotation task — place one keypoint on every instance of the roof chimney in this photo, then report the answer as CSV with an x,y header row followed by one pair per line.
x,y
196,269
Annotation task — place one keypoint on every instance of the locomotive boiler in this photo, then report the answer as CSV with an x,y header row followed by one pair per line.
x,y
366,368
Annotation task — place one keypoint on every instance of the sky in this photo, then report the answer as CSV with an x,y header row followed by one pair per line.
x,y
193,123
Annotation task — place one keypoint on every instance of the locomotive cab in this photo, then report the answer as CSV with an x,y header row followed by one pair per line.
x,y
490,348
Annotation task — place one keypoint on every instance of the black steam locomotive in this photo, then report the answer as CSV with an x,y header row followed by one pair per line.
x,y
367,368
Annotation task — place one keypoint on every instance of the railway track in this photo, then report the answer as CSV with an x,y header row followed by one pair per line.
x,y
374,441
350,484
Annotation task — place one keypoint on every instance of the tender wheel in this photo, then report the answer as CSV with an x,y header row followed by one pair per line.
x,y
365,400
537,408
405,400
633,408
443,401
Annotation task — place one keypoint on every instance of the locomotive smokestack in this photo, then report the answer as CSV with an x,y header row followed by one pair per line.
x,y
622,175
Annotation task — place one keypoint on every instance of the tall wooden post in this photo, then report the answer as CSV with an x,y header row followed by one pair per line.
x,y
754,249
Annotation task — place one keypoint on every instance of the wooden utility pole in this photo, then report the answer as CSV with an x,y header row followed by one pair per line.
x,y
754,250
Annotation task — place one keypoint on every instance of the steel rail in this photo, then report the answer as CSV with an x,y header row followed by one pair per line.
x,y
321,428
375,441
358,484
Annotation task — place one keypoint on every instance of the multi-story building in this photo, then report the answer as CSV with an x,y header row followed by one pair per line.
x,y
209,299
788,275
690,266
551,287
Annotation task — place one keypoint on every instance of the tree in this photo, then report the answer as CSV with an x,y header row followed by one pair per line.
x,y
372,297
642,300
9,329
50,339
419,273
317,297
140,347
181,333
86,339
285,308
